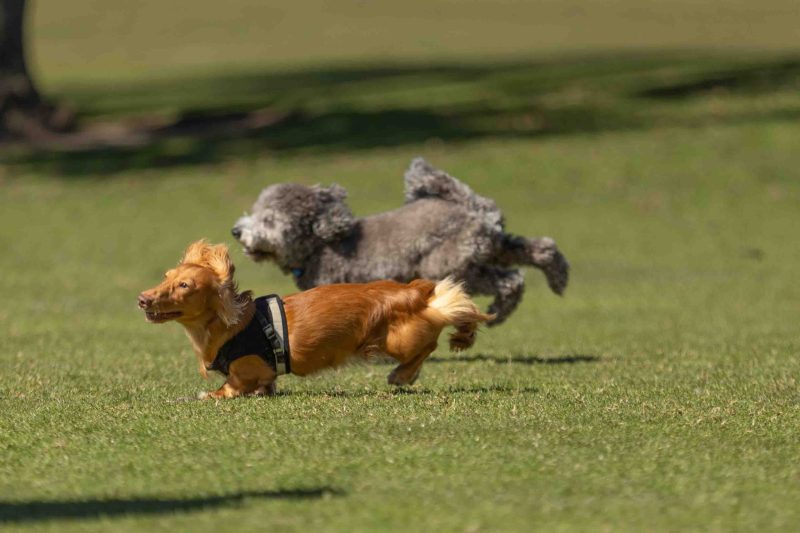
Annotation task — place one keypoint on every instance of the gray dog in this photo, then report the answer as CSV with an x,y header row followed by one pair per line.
x,y
443,229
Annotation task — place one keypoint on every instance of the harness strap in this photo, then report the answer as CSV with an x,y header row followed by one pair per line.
x,y
274,328
266,335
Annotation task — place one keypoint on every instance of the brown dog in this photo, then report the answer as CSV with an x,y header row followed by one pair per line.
x,y
326,325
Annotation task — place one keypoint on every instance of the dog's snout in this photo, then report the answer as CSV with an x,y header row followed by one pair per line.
x,y
144,301
236,231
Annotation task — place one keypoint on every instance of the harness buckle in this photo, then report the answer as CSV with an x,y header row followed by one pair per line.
x,y
274,340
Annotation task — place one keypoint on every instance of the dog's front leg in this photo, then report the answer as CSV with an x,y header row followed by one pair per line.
x,y
541,253
265,390
235,386
225,391
507,287
248,376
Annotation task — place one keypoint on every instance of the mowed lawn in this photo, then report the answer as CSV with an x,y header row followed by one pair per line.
x,y
660,393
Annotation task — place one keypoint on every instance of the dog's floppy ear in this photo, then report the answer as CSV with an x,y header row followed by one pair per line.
x,y
212,256
230,305
216,258
219,261
334,218
195,252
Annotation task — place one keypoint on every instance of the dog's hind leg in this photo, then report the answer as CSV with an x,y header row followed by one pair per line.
x,y
541,253
507,287
408,372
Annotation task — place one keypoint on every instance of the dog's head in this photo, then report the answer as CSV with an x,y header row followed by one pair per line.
x,y
200,287
289,221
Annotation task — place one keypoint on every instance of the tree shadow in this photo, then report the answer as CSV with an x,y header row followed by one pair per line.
x,y
43,510
523,360
753,80
212,118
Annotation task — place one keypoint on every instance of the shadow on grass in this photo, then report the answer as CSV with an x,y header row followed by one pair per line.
x,y
516,359
523,360
753,80
467,390
413,391
38,511
199,120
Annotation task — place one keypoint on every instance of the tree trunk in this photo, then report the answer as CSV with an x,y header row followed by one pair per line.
x,y
23,113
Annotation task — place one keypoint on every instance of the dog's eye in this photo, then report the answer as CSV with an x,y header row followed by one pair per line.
x,y
183,285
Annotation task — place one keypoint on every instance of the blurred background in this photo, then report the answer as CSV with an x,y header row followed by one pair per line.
x,y
147,84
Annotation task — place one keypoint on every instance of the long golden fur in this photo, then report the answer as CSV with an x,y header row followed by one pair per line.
x,y
327,325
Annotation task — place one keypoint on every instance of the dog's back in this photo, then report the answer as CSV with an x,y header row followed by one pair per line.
x,y
330,323
442,230
422,180
429,238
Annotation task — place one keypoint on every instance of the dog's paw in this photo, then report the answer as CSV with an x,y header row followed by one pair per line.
x,y
265,390
398,379
461,340
557,274
545,255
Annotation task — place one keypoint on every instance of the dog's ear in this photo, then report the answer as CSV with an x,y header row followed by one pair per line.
x,y
229,305
334,218
212,256
219,261
195,252
216,258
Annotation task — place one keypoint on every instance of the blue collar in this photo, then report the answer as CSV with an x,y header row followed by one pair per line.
x,y
297,272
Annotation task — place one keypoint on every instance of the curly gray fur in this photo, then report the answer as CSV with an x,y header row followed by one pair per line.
x,y
444,229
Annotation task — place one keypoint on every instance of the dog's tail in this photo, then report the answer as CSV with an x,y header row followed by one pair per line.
x,y
453,307
423,180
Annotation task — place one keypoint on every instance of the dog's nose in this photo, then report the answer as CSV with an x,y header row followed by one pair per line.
x,y
236,232
144,301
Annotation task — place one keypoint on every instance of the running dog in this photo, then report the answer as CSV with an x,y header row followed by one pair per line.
x,y
443,230
252,341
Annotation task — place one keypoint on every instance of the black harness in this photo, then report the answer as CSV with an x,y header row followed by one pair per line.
x,y
265,336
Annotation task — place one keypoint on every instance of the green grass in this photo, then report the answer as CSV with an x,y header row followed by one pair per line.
x,y
660,393
681,412
100,40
